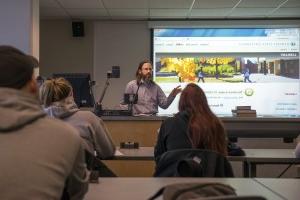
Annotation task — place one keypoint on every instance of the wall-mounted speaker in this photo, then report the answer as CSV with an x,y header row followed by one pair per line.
x,y
115,72
78,29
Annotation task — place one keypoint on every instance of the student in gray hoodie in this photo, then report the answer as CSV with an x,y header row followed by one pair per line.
x,y
39,155
57,97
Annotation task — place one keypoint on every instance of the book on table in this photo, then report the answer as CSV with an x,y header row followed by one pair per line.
x,y
243,107
243,111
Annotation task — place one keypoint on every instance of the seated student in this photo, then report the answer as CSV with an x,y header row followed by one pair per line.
x,y
57,97
40,80
194,126
38,154
297,150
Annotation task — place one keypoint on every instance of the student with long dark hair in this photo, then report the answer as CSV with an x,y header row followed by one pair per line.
x,y
194,126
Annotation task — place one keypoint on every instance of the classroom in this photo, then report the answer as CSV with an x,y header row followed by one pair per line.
x,y
241,56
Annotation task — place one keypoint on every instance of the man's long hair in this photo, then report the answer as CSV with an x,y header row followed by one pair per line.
x,y
205,130
137,73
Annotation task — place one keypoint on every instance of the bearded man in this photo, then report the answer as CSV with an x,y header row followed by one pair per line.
x,y
149,94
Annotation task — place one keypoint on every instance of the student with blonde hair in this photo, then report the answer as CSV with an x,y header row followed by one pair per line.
x,y
57,97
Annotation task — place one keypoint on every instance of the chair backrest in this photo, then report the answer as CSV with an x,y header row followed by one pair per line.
x,y
193,191
95,164
200,191
235,198
193,163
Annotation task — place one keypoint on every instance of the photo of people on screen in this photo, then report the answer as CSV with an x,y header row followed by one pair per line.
x,y
224,69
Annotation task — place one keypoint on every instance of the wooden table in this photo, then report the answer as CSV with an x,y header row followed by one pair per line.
x,y
131,160
143,129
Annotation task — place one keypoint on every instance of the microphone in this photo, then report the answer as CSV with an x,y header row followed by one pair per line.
x,y
115,73
134,97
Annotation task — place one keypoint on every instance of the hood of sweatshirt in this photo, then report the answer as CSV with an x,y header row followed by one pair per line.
x,y
17,109
62,109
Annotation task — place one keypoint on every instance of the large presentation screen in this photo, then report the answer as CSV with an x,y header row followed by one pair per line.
x,y
257,67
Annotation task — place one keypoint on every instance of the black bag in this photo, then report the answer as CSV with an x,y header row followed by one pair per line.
x,y
234,150
192,191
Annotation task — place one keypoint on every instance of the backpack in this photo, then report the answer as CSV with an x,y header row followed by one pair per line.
x,y
234,150
193,191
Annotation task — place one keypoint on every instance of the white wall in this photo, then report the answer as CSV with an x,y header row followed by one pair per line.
x,y
104,45
118,43
60,52
19,22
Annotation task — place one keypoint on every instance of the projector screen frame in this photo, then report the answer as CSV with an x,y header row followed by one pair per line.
x,y
222,24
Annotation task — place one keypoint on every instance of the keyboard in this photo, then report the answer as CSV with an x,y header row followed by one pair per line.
x,y
115,113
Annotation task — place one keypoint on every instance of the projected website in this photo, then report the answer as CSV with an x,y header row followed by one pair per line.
x,y
235,67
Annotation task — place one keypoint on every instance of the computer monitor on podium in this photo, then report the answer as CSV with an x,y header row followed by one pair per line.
x,y
82,87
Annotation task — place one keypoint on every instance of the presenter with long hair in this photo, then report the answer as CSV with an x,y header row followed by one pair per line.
x,y
150,95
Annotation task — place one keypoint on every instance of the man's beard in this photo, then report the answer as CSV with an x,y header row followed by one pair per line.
x,y
147,78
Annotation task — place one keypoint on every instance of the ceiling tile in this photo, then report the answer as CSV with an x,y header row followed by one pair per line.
x,y
292,4
287,12
168,13
250,12
215,3
260,3
82,13
120,4
81,3
49,4
209,12
170,4
142,9
53,12
128,12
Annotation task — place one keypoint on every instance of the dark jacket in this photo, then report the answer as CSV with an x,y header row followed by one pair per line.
x,y
173,135
193,163
174,149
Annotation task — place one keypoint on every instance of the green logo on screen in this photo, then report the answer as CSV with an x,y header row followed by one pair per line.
x,y
249,92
